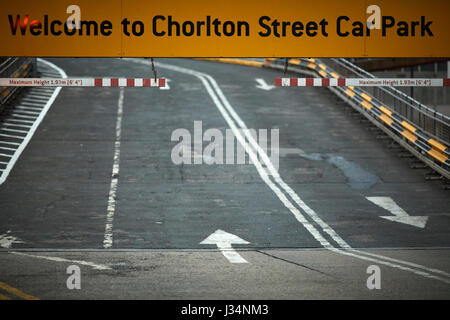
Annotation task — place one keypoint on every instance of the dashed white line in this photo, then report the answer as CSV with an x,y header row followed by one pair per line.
x,y
108,238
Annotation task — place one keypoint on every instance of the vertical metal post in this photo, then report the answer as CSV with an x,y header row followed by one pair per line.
x,y
448,69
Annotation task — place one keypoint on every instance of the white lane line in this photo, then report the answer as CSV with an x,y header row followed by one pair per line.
x,y
263,155
108,239
263,173
314,216
5,155
314,232
5,148
411,264
363,256
93,265
35,125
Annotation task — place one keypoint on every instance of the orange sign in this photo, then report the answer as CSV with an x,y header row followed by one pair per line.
x,y
232,28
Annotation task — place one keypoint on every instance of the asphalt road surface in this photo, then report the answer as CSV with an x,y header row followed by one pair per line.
x,y
97,187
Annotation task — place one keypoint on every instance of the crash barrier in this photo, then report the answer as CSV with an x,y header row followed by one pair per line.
x,y
13,68
422,116
431,149
83,82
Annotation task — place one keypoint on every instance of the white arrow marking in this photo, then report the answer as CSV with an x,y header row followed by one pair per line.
x,y
400,215
166,87
6,240
223,241
263,84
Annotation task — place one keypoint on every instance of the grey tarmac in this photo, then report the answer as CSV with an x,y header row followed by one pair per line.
x,y
55,200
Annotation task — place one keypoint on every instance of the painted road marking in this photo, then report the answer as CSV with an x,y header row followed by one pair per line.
x,y
13,130
399,215
26,107
9,124
10,143
17,292
6,240
262,84
19,120
21,116
93,265
108,239
35,124
223,240
344,249
33,113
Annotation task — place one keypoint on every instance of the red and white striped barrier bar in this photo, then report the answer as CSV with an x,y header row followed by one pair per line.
x,y
360,82
82,82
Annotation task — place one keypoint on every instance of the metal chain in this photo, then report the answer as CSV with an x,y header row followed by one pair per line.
x,y
153,69
285,66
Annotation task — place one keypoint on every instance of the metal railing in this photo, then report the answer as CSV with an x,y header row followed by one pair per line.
x,y
435,124
373,105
